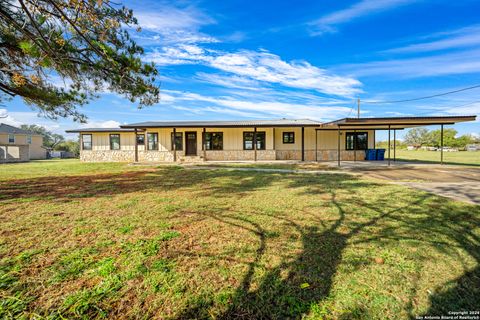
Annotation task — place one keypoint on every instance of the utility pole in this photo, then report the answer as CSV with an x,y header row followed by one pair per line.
x,y
358,108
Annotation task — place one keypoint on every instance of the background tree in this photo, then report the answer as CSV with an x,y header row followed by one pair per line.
x,y
50,139
449,139
81,44
70,146
417,137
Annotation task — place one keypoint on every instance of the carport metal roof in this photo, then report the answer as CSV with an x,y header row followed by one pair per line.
x,y
392,122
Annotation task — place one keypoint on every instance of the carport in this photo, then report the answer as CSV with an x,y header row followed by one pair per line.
x,y
390,124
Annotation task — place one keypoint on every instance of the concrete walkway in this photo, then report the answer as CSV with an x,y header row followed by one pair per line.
x,y
455,182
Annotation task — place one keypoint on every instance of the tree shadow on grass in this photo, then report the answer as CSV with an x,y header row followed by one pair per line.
x,y
69,188
289,290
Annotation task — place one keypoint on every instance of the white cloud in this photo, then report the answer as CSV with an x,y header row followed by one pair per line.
x,y
101,124
437,65
255,107
169,24
327,23
460,38
229,81
260,66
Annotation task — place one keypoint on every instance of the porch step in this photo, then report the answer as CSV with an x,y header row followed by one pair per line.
x,y
190,159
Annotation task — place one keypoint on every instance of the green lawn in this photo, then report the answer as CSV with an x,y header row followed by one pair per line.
x,y
460,157
116,241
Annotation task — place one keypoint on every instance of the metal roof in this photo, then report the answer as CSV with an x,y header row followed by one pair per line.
x,y
5,128
380,123
225,124
99,130
395,122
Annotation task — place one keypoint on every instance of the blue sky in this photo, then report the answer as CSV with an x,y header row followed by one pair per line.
x,y
303,59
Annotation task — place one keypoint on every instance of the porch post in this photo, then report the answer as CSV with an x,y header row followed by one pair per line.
x,y
441,144
204,144
388,144
303,143
174,145
354,146
316,145
255,142
136,145
374,132
394,145
338,151
273,138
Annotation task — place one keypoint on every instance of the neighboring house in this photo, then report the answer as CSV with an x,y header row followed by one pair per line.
x,y
20,145
472,147
344,139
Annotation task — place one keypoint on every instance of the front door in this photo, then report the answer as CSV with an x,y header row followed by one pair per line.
x,y
191,143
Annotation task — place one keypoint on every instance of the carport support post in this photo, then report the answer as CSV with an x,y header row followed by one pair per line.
x,y
316,145
204,140
303,143
255,142
174,144
354,146
338,150
394,145
441,144
136,145
388,144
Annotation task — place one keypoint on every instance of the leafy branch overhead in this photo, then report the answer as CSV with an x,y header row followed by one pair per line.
x,y
57,54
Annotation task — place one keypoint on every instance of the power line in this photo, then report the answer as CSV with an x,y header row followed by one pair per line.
x,y
443,107
422,98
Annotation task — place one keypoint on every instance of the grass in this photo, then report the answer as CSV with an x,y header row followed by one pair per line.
x,y
81,241
309,166
460,157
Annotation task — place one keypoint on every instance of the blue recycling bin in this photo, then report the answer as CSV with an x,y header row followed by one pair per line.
x,y
380,154
370,154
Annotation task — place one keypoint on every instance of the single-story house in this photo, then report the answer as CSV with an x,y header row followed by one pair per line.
x,y
17,145
284,139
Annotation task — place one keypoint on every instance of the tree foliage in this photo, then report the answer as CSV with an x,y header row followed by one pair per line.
x,y
70,146
422,137
417,137
50,139
57,54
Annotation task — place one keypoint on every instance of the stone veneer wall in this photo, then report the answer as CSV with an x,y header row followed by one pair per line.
x,y
14,153
345,155
127,155
213,155
232,155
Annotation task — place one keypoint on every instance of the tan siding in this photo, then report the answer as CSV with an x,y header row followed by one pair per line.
x,y
36,150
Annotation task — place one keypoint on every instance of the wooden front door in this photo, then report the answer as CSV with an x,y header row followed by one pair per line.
x,y
191,143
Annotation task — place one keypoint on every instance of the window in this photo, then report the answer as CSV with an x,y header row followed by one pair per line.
x,y
213,140
178,141
356,141
248,140
115,141
86,142
29,139
152,141
141,139
289,137
11,138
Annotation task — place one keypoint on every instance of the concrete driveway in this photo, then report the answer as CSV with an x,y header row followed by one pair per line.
x,y
459,183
